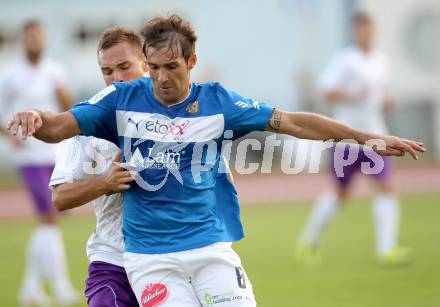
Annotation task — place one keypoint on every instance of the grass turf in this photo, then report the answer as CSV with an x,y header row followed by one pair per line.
x,y
347,277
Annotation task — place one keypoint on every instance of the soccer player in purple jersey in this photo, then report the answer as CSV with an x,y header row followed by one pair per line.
x,y
120,58
356,82
35,81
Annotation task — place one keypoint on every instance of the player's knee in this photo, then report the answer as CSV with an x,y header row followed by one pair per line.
x,y
48,218
386,186
57,200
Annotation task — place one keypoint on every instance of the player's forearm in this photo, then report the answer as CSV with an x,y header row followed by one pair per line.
x,y
317,127
71,195
56,126
65,99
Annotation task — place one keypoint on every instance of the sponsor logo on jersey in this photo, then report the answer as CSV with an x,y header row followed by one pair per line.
x,y
157,159
192,107
132,121
154,294
244,105
213,299
160,127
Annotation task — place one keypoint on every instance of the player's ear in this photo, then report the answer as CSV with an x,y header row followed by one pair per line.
x,y
144,65
192,61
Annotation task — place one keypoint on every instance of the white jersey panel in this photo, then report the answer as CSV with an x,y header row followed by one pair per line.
x,y
158,127
366,76
79,158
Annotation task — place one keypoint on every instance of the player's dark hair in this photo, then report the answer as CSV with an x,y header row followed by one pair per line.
x,y
169,32
116,35
360,18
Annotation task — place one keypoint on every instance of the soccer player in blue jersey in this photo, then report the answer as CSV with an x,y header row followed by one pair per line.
x,y
171,131
120,58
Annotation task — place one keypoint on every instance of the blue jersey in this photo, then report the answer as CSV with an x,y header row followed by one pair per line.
x,y
228,209
176,152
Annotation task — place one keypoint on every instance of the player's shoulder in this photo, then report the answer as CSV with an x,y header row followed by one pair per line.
x,y
106,92
82,142
347,54
51,64
76,141
9,69
135,84
88,140
211,88
215,94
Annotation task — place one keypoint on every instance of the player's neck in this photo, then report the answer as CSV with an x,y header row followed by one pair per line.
x,y
181,99
366,49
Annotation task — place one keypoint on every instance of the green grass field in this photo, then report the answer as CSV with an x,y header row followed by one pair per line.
x,y
348,276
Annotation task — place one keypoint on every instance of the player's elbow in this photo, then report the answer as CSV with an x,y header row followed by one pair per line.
x,y
57,136
58,200
52,136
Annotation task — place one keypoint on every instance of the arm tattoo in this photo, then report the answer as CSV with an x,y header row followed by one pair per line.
x,y
275,120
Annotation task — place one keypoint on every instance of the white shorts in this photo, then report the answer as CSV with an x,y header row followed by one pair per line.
x,y
210,276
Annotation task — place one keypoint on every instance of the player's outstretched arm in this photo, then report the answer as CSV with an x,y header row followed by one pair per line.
x,y
317,127
74,194
49,127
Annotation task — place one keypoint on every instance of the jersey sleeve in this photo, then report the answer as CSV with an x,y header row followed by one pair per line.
x,y
97,116
241,113
69,161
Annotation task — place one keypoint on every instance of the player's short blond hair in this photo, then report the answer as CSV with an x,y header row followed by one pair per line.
x,y
115,35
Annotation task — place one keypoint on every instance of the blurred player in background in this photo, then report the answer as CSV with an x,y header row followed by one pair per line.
x,y
356,82
177,252
120,58
35,81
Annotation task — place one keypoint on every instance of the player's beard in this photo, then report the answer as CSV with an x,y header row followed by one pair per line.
x,y
34,56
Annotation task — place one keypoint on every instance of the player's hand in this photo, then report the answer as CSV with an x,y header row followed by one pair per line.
x,y
29,121
118,179
395,146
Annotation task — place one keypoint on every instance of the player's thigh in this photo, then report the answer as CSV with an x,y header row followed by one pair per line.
x,y
159,280
222,281
108,285
36,179
384,179
344,164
